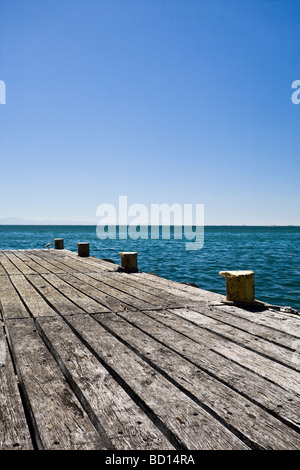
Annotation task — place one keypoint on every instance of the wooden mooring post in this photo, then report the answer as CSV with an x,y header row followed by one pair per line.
x,y
59,243
129,261
83,249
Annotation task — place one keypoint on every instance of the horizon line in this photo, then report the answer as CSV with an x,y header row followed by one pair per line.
x,y
87,224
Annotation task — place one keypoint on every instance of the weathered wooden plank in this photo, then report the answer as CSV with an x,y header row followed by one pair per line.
x,y
134,292
107,265
2,271
23,267
92,262
37,268
143,289
277,373
54,297
33,300
8,266
123,420
70,263
262,429
90,286
287,323
193,426
246,382
77,296
10,302
59,261
247,324
56,261
251,341
93,285
14,432
49,266
67,261
110,264
189,292
58,419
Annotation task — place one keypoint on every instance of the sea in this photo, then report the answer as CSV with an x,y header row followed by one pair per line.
x,y
272,252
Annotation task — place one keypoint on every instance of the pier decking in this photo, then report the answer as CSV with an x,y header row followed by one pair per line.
x,y
95,358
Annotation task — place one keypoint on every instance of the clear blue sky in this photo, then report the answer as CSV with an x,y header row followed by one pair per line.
x,y
164,101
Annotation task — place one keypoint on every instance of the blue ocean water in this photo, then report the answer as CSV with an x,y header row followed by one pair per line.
x,y
272,252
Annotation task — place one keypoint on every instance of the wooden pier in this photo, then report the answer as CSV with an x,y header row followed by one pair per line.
x,y
92,357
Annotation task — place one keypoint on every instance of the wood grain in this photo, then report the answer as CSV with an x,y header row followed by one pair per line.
x,y
95,358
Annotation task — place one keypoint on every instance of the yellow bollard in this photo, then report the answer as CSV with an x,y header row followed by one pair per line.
x,y
129,261
240,286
